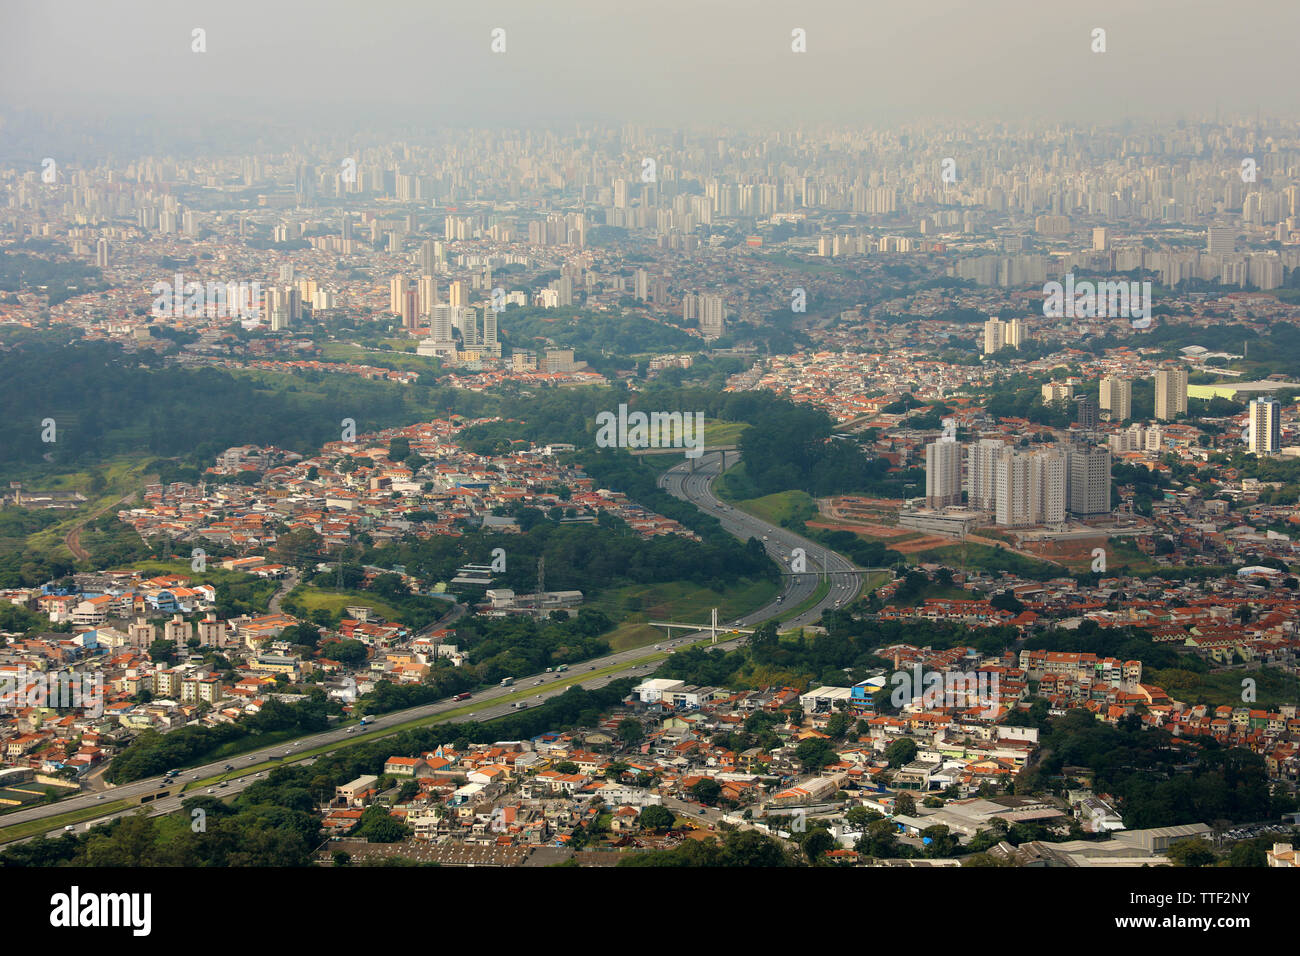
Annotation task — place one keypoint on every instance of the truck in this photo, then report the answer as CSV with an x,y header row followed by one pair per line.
x,y
562,667
464,696
507,681
365,720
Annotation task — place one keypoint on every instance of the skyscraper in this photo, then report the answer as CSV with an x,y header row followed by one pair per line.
x,y
1116,398
1030,487
428,289
943,473
713,316
396,294
992,335
981,476
1171,392
1265,426
1088,479
1087,416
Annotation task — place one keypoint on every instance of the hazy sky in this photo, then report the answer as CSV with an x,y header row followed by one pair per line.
x,y
660,62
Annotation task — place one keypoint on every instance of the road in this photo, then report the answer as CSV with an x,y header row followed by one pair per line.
x,y
488,703
290,582
72,540
696,487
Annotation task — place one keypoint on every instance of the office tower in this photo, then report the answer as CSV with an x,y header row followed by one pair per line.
x,y
564,286
981,485
1088,416
713,316
1171,392
428,258
396,294
942,473
1088,479
1221,240
641,284
101,253
490,331
347,228
1100,239
1265,426
458,293
286,273
427,286
1116,398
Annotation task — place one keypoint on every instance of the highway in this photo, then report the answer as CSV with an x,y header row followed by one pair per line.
x,y
693,486
696,487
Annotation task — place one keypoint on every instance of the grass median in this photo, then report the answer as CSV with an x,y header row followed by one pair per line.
x,y
20,831
443,717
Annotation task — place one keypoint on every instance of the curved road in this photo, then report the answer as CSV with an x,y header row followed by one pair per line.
x,y
488,703
696,487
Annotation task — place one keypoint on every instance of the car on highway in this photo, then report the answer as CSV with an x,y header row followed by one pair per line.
x,y
539,696
350,730
536,682
100,797
210,790
69,828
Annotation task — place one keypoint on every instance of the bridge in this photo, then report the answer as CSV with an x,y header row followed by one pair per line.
x,y
712,627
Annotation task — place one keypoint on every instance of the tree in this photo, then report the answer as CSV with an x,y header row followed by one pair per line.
x,y
706,791
905,804
817,842
901,752
838,725
1195,852
630,730
299,548
815,754
656,818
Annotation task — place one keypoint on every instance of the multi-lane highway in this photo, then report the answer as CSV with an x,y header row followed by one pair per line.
x,y
681,481
695,486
